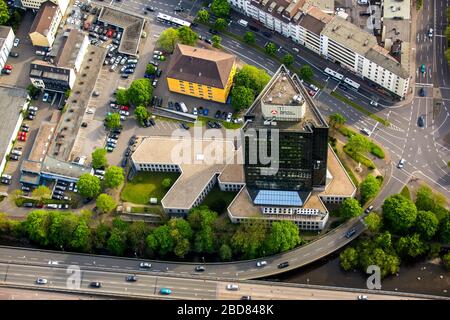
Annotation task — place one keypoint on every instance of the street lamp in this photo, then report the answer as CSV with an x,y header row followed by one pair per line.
x,y
203,258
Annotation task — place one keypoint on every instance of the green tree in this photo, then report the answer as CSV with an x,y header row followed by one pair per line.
x,y
4,13
220,8
373,222
160,240
182,247
271,49
99,158
336,120
114,177
113,121
249,37
306,72
67,93
411,246
37,226
444,230
168,39
61,229
249,239
42,192
166,183
348,259
252,77
33,91
446,260
370,254
187,36
426,200
283,236
201,220
105,203
137,232
426,224
141,113
399,213
225,252
100,235
122,97
81,239
117,242
220,24
150,69
140,92
369,188
216,40
88,186
358,144
203,16
241,97
288,59
350,208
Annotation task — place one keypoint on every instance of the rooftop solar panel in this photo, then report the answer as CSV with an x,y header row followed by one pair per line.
x,y
278,197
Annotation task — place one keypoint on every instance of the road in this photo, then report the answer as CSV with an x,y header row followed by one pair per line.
x,y
247,269
148,286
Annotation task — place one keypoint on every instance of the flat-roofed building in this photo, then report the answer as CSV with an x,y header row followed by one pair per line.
x,y
6,43
12,104
45,25
202,73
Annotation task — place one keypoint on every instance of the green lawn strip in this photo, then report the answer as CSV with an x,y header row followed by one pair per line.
x,y
349,172
406,193
360,108
359,158
225,124
146,185
375,149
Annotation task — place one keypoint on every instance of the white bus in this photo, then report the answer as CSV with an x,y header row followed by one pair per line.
x,y
334,74
352,84
164,18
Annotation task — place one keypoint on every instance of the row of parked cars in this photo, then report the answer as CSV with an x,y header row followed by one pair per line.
x,y
7,69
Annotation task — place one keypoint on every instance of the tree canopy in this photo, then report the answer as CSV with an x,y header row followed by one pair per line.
x,y
426,200
88,186
114,177
241,97
411,246
203,16
220,8
252,77
350,208
288,59
249,37
358,144
336,120
283,236
271,49
150,69
99,158
4,12
399,213
373,222
42,192
141,113
187,36
140,92
426,224
116,243
249,239
201,220
168,39
166,183
113,121
105,203
349,259
220,24
122,97
306,72
216,40
369,188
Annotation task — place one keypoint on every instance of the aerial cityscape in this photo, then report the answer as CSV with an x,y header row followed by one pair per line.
x,y
225,150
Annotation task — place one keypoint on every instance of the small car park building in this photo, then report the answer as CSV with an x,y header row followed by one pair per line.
x,y
13,102
6,43
45,25
202,73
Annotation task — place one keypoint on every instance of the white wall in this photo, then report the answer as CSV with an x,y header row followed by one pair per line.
x,y
6,48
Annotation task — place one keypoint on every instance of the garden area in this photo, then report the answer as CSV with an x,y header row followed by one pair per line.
x,y
146,185
218,200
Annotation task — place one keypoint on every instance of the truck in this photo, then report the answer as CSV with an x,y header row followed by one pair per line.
x,y
183,107
243,23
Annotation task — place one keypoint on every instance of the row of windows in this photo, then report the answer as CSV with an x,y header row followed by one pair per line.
x,y
331,199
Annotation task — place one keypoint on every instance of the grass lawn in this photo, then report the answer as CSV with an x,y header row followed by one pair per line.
x,y
218,200
146,185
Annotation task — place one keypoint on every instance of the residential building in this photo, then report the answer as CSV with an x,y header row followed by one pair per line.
x,y
45,25
36,4
202,73
61,74
332,37
12,104
6,43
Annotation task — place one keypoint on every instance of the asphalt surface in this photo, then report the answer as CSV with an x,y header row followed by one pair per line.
x,y
148,286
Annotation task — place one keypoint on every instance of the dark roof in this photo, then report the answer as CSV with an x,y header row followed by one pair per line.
x,y
208,67
312,24
44,18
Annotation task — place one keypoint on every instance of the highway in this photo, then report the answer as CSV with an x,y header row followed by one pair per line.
x,y
246,269
148,286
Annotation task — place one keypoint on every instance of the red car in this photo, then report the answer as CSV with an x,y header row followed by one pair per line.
x,y
22,136
8,67
124,108
110,32
311,93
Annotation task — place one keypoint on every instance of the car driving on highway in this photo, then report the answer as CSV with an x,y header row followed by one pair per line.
x,y
41,281
283,265
260,264
165,291
145,265
95,284
131,278
350,233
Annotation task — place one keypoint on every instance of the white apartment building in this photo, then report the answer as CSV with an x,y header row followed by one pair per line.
x,y
6,44
45,25
331,37
36,4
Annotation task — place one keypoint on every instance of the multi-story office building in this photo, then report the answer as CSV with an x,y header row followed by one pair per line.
x,y
202,73
6,44
36,4
332,37
45,25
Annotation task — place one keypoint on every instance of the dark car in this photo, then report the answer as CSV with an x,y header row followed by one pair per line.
x,y
184,126
152,122
124,162
217,115
283,265
146,123
170,105
217,124
57,197
267,34
124,76
158,73
421,121
224,115
114,136
210,125
95,284
200,268
350,233
253,28
213,31
422,92
28,205
151,9
13,54
178,9
13,157
208,41
246,298
131,278
177,106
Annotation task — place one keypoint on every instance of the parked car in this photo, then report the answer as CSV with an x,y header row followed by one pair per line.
x,y
213,31
229,115
267,34
422,92
218,125
13,157
148,8
6,71
184,126
45,97
13,54
16,42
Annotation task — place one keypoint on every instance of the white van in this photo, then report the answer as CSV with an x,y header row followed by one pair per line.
x,y
243,23
183,107
232,287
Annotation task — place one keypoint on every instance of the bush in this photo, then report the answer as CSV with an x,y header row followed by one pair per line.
x,y
406,193
376,150
360,158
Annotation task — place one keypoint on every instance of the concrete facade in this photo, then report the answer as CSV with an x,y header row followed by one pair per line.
x,y
6,43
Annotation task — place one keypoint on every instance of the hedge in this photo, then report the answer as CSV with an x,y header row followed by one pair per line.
x,y
360,158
